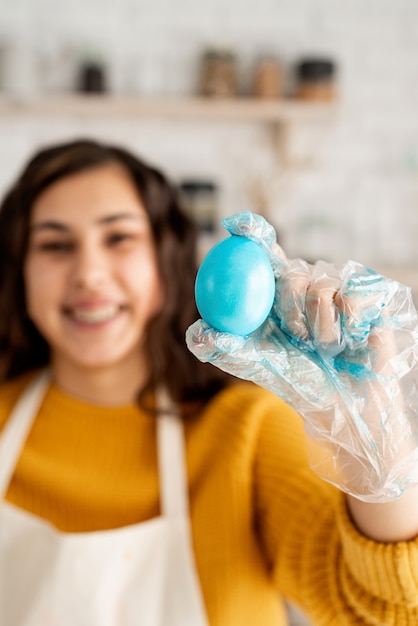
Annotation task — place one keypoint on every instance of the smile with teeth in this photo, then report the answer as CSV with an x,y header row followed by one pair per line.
x,y
95,316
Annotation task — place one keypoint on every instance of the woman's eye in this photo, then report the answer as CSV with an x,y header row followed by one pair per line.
x,y
55,246
117,238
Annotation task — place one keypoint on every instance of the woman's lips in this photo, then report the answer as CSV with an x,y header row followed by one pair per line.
x,y
93,314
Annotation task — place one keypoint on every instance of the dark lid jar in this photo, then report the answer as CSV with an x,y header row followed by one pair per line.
x,y
315,79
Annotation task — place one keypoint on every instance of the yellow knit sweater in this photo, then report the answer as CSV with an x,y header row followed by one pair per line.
x,y
263,525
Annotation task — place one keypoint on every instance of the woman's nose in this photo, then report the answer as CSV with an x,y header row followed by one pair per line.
x,y
90,268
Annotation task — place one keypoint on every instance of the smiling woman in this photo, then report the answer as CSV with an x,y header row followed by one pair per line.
x,y
91,233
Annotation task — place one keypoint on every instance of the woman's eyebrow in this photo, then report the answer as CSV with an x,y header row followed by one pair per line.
x,y
121,216
49,225
107,219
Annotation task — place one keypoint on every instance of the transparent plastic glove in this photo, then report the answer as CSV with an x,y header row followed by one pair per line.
x,y
341,347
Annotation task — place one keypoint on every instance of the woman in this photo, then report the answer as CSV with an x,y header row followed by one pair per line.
x,y
114,510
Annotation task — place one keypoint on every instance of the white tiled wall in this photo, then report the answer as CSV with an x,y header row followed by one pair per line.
x,y
351,189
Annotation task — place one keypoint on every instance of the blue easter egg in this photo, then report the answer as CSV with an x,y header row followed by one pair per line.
x,y
235,286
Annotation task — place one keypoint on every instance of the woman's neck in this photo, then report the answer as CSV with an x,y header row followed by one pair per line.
x,y
110,386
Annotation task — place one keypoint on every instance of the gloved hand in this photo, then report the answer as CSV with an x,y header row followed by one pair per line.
x,y
341,347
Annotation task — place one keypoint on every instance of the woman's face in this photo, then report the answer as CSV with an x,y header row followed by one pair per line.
x,y
91,277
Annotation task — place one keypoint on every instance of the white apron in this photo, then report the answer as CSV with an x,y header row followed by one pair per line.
x,y
139,575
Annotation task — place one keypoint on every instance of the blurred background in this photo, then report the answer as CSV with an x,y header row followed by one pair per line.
x,y
302,110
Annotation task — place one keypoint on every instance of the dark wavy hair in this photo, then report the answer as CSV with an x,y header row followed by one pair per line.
x,y
23,348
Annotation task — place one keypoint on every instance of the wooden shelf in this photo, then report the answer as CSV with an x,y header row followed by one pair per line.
x,y
235,110
281,116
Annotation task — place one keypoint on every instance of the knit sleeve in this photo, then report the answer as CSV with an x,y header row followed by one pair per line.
x,y
316,556
388,572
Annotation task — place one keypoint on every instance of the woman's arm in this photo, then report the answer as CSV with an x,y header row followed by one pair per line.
x,y
315,553
387,522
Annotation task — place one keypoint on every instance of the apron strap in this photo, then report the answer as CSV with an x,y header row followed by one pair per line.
x,y
18,426
170,442
171,458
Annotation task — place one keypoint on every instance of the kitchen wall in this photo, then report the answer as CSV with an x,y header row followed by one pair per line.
x,y
349,185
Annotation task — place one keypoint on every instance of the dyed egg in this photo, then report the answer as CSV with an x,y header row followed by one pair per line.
x,y
235,286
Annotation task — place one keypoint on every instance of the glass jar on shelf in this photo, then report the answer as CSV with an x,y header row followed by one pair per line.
x,y
199,198
219,75
316,79
267,78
